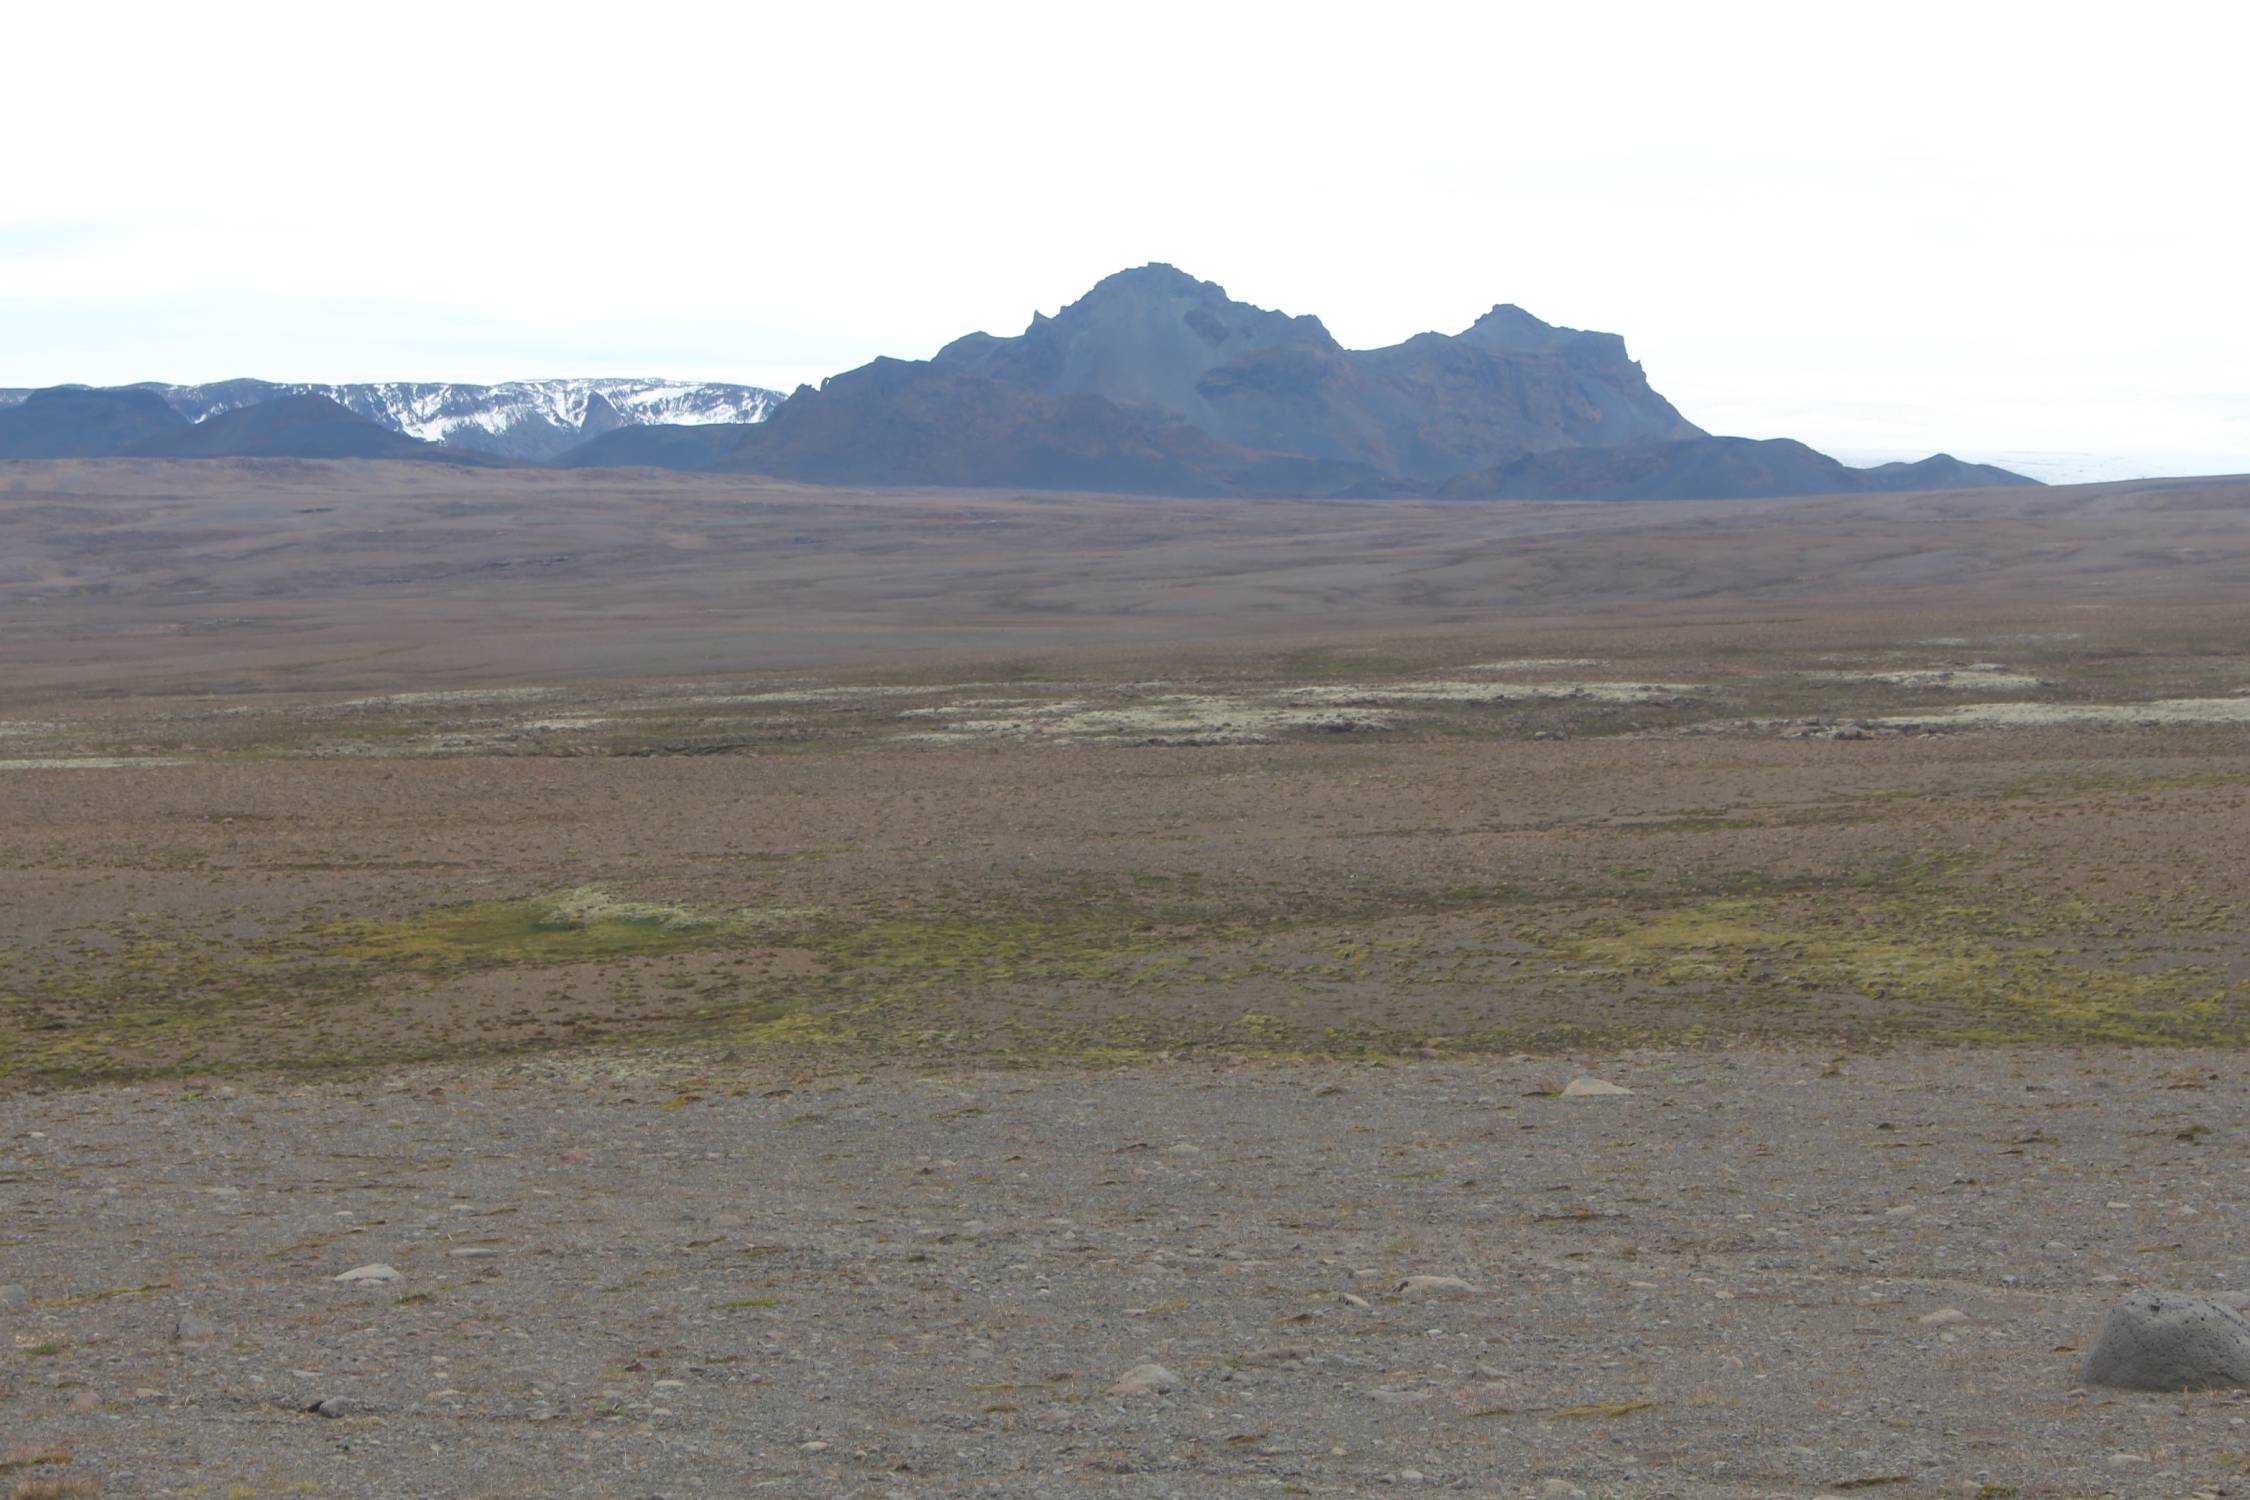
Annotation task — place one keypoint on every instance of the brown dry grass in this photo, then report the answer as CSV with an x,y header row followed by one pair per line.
x,y
376,728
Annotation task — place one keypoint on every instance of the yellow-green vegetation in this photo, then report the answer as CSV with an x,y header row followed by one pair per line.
x,y
1674,927
1960,971
96,1011
1258,1028
577,926
900,981
146,1000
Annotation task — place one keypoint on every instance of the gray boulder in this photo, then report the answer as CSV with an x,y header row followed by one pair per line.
x,y
2169,1341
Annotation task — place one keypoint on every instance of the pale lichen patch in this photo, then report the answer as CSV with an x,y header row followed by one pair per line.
x,y
1989,677
449,695
1497,692
1178,718
2033,715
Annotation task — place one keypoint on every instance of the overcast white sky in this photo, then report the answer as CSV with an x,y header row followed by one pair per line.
x,y
1996,229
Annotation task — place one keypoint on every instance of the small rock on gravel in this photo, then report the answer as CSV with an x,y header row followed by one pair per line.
x,y
1142,1380
1593,1088
1278,1354
1944,1317
2169,1341
1435,1286
369,1275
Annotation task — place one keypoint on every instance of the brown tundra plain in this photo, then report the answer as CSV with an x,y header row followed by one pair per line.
x,y
628,984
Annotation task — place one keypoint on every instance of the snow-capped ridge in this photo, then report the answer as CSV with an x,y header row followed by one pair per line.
x,y
523,419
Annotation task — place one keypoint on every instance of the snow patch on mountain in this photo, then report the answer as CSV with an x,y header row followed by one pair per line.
x,y
527,419
536,420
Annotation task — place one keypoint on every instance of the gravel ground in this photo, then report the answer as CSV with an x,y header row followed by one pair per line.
x,y
1761,1273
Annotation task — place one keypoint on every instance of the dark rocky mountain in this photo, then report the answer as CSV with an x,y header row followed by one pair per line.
x,y
1155,381
75,421
896,422
1158,339
295,427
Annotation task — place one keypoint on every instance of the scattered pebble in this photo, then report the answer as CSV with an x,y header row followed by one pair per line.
x,y
1146,1379
1435,1286
369,1275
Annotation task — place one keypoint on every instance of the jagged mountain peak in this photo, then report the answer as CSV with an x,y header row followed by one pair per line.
x,y
1160,292
1157,278
1508,329
1162,313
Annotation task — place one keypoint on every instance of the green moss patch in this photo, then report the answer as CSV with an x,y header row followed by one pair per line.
x,y
578,926
1928,967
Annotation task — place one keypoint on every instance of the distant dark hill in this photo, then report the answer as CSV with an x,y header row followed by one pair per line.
x,y
1940,471
75,421
295,427
696,449
1707,468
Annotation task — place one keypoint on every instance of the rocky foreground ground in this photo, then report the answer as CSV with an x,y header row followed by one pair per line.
x,y
1758,1273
